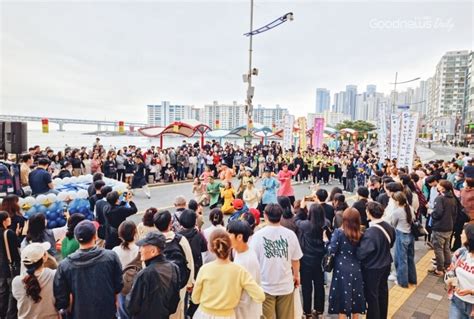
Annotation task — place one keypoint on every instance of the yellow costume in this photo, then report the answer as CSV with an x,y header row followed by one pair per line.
x,y
228,195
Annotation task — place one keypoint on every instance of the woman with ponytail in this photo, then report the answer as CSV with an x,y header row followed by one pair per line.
x,y
220,283
216,217
34,290
402,218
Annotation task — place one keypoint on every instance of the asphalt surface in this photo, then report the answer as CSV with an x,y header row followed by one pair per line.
x,y
162,197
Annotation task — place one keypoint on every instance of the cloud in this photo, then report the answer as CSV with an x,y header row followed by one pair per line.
x,y
110,58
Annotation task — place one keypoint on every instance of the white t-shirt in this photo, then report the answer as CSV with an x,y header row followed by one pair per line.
x,y
126,255
276,247
247,308
465,275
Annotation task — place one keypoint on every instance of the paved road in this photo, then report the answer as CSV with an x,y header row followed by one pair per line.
x,y
162,197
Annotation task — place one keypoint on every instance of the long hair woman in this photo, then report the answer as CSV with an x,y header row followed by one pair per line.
x,y
310,236
38,233
460,279
34,290
128,253
347,275
146,226
219,284
402,218
7,302
10,205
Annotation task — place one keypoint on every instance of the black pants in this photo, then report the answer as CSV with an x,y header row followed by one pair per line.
x,y
121,175
8,308
312,279
376,292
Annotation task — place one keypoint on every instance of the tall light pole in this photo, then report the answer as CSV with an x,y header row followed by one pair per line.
x,y
253,71
395,89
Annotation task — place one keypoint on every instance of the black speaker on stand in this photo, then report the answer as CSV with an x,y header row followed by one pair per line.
x,y
14,137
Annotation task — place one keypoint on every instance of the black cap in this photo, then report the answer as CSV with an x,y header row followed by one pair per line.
x,y
153,238
85,231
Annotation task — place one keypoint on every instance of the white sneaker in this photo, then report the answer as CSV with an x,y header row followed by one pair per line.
x,y
392,277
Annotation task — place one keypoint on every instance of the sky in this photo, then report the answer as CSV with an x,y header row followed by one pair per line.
x,y
109,59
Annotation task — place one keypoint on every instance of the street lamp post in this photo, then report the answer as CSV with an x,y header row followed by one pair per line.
x,y
253,71
395,89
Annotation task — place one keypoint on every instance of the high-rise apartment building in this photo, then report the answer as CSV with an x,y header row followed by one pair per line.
x,y
339,100
164,114
229,116
350,101
323,100
269,116
448,93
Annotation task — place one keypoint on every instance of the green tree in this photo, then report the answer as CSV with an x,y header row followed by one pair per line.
x,y
360,126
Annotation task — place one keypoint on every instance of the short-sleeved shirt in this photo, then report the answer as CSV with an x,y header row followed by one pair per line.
x,y
39,180
276,247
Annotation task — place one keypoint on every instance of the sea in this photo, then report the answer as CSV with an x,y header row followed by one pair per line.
x,y
59,140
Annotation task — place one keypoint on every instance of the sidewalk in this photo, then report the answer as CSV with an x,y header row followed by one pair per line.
x,y
428,300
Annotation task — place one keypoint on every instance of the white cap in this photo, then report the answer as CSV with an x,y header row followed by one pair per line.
x,y
34,252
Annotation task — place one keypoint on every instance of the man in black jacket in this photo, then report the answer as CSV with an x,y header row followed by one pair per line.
x,y
155,292
374,255
361,204
91,275
443,219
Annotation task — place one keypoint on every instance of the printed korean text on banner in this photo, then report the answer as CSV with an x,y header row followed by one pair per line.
x,y
288,123
408,133
394,135
382,134
302,125
318,132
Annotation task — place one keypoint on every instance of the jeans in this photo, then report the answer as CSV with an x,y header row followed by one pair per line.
x,y
441,243
8,308
376,292
312,277
459,309
405,259
121,308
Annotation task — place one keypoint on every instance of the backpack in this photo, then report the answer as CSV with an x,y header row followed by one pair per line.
x,y
129,273
174,295
174,253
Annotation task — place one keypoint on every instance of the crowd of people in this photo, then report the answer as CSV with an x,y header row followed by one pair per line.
x,y
270,258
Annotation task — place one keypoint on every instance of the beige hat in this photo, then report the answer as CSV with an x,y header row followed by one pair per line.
x,y
34,252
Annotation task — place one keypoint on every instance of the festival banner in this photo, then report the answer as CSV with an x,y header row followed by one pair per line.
x,y
382,134
288,122
303,126
394,135
408,134
318,132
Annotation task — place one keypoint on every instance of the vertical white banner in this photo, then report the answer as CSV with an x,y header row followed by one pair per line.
x,y
403,140
382,133
411,141
288,123
394,135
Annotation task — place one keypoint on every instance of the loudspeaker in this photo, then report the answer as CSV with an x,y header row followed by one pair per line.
x,y
14,137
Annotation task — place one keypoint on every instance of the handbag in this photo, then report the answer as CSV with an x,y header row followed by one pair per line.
x,y
417,229
14,269
328,262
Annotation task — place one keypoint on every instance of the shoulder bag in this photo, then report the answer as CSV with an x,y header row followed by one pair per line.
x,y
14,269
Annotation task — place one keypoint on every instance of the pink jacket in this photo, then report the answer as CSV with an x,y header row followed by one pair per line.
x,y
285,182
